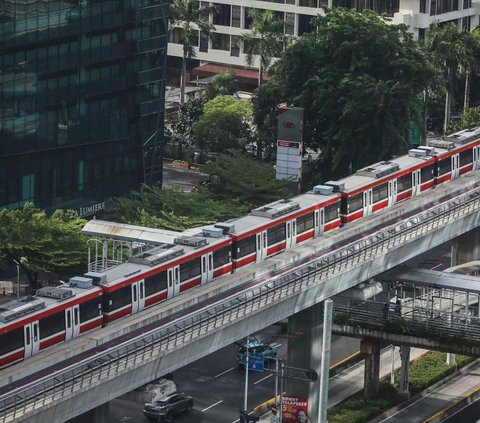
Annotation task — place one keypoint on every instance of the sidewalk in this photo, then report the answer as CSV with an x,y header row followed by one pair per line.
x,y
350,381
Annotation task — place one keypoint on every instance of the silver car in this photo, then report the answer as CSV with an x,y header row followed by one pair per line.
x,y
168,407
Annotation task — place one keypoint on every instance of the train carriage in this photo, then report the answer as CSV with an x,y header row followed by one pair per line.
x,y
281,225
174,265
54,315
383,184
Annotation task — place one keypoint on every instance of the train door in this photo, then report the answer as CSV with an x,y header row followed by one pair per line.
x,y
173,281
319,221
392,192
138,296
72,322
291,234
31,338
261,244
416,183
367,202
207,267
476,157
455,166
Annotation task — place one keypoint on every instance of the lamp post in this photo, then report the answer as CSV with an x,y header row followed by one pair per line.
x,y
22,260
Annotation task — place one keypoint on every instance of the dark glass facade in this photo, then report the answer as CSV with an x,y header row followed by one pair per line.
x,y
81,99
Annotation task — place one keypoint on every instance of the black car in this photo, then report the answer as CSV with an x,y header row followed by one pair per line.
x,y
168,407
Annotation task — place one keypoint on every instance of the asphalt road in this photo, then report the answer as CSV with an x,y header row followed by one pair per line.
x,y
470,414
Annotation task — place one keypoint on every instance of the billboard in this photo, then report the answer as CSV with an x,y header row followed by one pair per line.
x,y
295,409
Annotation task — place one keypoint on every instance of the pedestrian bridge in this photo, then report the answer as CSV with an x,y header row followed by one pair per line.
x,y
80,375
423,308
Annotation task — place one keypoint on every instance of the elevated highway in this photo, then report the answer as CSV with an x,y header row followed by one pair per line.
x,y
73,378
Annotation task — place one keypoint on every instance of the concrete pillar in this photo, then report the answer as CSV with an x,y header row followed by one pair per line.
x,y
451,359
466,247
371,350
404,370
100,414
305,330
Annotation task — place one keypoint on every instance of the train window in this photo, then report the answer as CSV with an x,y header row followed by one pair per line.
x,y
75,316
304,223
221,257
11,341
244,247
380,193
190,269
89,310
52,324
69,319
155,283
119,298
331,212
466,157
404,182
276,234
426,174
354,203
27,335
444,166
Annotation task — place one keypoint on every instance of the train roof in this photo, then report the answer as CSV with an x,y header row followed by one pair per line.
x,y
47,298
168,247
264,215
382,171
455,141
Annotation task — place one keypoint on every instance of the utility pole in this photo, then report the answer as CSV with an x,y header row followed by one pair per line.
x,y
245,402
325,366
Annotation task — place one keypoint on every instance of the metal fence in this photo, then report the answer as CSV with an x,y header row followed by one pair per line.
x,y
167,337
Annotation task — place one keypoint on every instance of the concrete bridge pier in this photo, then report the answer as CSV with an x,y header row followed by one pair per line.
x,y
305,331
466,247
100,414
404,370
371,351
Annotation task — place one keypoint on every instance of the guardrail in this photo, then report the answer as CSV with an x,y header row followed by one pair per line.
x,y
165,338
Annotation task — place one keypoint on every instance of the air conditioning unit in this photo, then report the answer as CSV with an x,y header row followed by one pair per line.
x,y
322,189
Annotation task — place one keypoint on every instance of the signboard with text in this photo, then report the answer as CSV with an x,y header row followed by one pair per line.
x,y
295,409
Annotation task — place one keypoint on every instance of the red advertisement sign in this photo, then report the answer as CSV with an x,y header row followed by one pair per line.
x,y
295,409
289,144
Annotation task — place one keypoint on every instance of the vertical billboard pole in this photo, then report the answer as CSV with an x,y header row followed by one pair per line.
x,y
324,368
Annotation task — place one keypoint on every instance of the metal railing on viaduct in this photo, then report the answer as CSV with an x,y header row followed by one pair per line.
x,y
101,376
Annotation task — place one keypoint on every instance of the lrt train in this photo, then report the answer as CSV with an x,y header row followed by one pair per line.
x,y
181,261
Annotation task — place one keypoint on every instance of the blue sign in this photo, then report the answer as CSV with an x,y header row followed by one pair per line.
x,y
256,363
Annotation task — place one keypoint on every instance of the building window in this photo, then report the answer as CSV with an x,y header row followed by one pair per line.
x,y
222,15
28,188
467,4
248,19
235,46
203,42
290,23
308,3
221,42
423,6
304,24
466,23
438,7
236,16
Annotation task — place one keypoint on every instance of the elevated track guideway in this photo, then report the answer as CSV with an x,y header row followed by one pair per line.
x,y
114,367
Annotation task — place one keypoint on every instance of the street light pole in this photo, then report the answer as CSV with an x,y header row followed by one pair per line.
x,y
245,403
18,278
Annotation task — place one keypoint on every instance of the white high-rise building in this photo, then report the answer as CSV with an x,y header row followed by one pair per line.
x,y
231,21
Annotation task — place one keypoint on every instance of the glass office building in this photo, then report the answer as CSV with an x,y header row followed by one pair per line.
x,y
81,100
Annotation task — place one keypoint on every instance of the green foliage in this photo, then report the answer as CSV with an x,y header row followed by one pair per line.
x,y
172,209
223,84
470,118
252,182
225,124
342,318
42,244
358,78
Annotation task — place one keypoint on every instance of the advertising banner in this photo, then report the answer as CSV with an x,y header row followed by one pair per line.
x,y
295,409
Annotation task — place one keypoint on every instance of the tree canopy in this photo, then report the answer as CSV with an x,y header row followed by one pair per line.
x,y
225,124
42,244
222,84
358,79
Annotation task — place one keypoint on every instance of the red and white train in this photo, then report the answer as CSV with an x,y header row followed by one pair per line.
x,y
181,261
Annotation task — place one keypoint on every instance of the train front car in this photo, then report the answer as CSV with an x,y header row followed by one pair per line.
x,y
281,225
458,154
54,315
173,263
383,184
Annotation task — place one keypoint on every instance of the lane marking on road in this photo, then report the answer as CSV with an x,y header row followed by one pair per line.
x,y
226,371
276,345
265,378
213,405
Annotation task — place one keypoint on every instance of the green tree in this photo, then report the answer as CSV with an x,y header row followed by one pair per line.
x,y
223,84
42,244
251,181
190,14
265,40
226,123
470,118
358,79
449,50
180,127
471,63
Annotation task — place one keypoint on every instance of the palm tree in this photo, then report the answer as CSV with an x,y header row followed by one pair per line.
x,y
266,40
190,16
449,51
472,61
